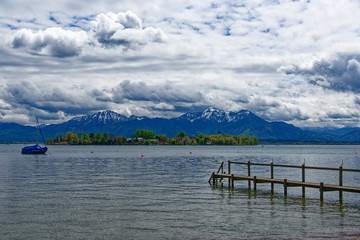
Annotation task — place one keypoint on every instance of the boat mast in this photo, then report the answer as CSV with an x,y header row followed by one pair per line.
x,y
37,131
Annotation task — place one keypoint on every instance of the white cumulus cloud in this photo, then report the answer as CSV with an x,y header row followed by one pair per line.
x,y
110,30
53,41
124,29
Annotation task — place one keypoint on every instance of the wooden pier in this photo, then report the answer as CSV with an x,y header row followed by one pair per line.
x,y
220,174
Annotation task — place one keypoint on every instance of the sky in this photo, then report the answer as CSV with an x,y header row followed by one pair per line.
x,y
284,60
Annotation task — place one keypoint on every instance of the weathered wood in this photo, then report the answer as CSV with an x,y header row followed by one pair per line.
x,y
303,180
254,183
221,168
249,174
321,191
272,176
286,183
232,180
290,183
295,166
340,183
229,171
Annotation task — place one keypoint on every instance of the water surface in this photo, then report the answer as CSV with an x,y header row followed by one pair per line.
x,y
111,192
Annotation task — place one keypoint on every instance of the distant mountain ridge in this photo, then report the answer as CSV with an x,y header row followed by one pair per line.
x,y
217,115
208,122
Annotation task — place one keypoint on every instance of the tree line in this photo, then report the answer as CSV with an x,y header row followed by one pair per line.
x,y
148,137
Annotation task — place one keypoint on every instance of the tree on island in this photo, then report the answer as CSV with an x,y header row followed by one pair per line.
x,y
148,137
145,134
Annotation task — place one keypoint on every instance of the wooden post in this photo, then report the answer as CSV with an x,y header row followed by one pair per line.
x,y
229,172
303,180
213,178
272,176
321,191
254,183
285,187
249,174
232,180
340,183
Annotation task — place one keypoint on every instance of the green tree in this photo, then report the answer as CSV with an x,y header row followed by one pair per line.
x,y
120,140
201,138
49,141
181,135
253,141
220,141
99,138
92,138
163,139
86,138
68,137
105,138
244,140
173,141
112,139
229,140
74,139
146,134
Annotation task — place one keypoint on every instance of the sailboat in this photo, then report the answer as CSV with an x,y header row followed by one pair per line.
x,y
36,149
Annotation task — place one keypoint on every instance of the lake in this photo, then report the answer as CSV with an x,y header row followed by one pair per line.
x,y
112,192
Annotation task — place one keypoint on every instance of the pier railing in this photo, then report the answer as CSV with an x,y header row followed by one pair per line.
x,y
286,183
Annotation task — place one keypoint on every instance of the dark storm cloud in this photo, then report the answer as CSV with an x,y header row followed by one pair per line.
x,y
167,93
28,96
340,73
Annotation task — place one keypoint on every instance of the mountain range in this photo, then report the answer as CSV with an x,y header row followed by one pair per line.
x,y
208,122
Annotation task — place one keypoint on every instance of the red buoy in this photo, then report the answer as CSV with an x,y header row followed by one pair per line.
x,y
142,155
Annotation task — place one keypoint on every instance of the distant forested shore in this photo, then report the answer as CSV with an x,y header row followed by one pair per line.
x,y
148,137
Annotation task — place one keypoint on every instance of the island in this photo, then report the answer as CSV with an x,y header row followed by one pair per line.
x,y
148,137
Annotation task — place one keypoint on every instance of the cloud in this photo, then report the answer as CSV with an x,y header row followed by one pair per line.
x,y
124,29
110,30
52,41
165,93
338,73
215,53
46,99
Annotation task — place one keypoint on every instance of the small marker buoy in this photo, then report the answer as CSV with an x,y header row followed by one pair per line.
x,y
142,155
49,153
190,152
355,152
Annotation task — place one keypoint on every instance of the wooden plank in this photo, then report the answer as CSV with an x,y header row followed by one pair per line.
x,y
286,183
289,183
295,166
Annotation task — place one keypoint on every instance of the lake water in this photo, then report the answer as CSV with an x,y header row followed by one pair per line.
x,y
111,192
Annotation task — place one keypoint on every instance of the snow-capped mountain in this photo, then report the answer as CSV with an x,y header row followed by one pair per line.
x,y
218,115
133,117
208,122
103,117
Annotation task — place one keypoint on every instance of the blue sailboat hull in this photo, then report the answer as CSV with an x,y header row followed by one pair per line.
x,y
36,149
